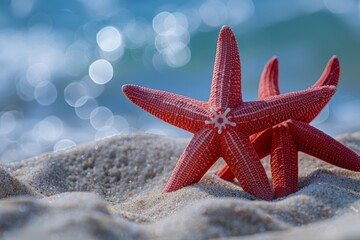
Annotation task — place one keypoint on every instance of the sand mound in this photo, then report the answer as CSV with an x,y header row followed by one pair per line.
x,y
111,189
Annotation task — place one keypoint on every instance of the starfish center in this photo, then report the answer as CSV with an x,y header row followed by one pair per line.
x,y
220,120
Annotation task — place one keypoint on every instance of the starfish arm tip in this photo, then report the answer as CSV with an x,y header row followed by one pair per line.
x,y
334,61
126,88
273,64
274,59
167,190
331,73
226,31
123,87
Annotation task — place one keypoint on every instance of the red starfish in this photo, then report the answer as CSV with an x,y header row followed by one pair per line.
x,y
222,125
284,140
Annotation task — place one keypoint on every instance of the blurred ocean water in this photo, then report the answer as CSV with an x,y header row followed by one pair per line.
x,y
63,62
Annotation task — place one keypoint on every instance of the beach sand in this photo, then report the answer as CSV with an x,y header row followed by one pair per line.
x,y
111,189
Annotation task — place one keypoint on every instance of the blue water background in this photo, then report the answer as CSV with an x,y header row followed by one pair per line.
x,y
63,62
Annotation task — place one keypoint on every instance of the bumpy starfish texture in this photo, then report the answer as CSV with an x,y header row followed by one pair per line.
x,y
222,125
284,140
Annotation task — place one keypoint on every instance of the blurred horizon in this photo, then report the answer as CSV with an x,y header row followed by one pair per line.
x,y
63,63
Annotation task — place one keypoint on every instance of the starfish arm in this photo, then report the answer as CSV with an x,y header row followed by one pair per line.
x,y
261,143
200,154
320,145
225,173
243,161
253,117
269,80
226,83
180,111
331,73
329,77
284,162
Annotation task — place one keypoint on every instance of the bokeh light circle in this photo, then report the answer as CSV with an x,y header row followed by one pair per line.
x,y
84,106
37,73
101,71
45,93
74,91
109,38
101,118
7,122
48,129
64,144
177,55
213,13
164,22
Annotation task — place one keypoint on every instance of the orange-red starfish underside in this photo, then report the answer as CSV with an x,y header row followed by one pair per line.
x,y
222,125
284,140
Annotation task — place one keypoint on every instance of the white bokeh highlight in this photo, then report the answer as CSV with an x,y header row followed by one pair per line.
x,y
109,38
101,71
45,93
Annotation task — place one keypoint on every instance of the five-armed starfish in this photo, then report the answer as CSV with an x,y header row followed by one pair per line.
x,y
222,125
284,140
